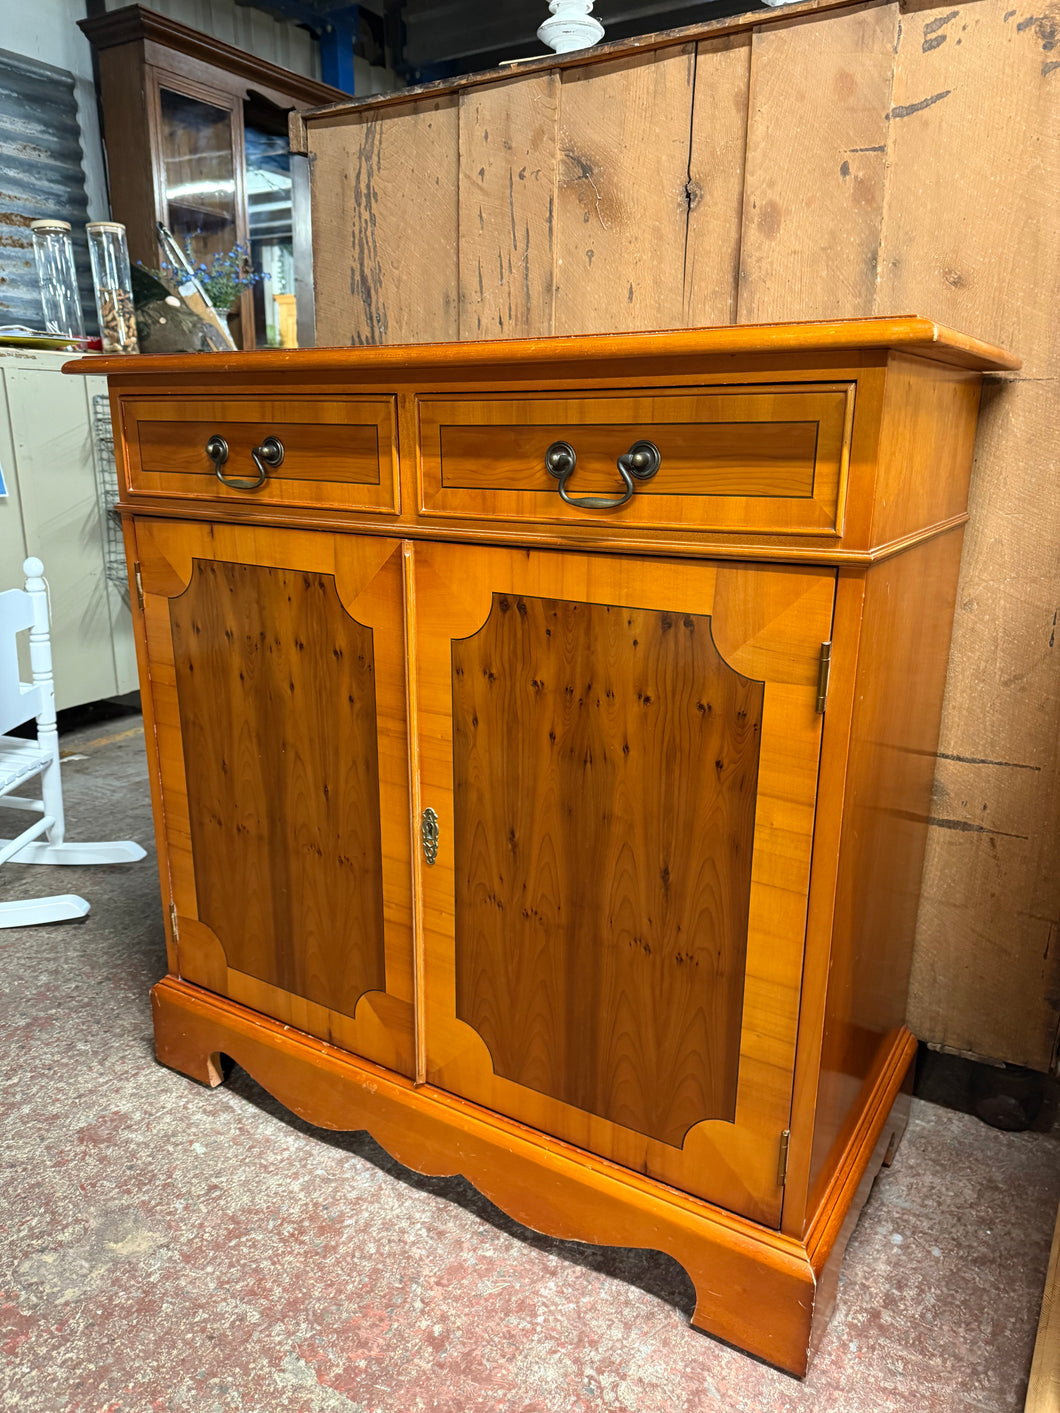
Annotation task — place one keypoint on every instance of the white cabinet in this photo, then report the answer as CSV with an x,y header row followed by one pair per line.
x,y
52,510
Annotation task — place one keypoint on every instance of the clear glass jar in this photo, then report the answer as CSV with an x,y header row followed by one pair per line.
x,y
109,251
57,273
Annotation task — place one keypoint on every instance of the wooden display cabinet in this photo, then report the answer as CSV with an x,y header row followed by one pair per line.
x,y
196,136
542,754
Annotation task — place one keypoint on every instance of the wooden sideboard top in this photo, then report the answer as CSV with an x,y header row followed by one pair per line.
x,y
908,334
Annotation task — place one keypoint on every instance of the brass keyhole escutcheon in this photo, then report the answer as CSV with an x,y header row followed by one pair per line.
x,y
429,834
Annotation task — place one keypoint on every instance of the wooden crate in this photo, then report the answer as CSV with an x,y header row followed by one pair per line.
x,y
823,161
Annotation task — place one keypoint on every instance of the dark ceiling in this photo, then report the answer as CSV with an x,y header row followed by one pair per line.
x,y
441,38
434,39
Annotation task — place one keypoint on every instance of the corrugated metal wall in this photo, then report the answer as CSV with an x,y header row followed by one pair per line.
x,y
41,174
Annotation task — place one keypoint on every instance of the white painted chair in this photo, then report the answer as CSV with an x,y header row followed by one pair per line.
x,y
22,760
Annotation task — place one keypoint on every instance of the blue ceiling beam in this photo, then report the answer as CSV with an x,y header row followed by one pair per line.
x,y
337,39
336,27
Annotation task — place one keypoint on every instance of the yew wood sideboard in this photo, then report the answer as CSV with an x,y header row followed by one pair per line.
x,y
542,738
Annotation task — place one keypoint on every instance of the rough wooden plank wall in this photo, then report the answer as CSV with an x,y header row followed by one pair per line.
x,y
386,197
716,180
972,234
620,244
892,157
816,149
508,160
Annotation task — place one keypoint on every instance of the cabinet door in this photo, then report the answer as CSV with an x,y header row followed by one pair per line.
x,y
622,756
276,660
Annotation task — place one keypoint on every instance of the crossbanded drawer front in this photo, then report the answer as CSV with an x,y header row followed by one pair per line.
x,y
763,459
338,453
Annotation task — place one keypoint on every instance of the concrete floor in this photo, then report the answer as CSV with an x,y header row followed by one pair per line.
x,y
167,1247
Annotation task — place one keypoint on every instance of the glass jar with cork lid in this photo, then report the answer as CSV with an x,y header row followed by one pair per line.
x,y
109,251
53,252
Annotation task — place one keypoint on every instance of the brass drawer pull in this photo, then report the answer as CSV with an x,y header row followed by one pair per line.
x,y
217,451
266,458
639,463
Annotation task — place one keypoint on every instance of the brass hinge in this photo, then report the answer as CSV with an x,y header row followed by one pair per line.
x,y
139,581
824,666
173,921
782,1162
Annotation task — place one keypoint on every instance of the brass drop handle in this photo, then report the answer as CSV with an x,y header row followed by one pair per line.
x,y
217,451
640,463
266,458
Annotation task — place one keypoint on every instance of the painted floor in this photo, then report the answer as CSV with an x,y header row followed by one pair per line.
x,y
167,1247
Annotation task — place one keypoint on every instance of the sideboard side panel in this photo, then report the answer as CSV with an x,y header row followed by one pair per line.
x,y
906,626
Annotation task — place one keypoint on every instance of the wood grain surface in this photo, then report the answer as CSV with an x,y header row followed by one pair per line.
x,y
767,625
398,188
717,154
909,333
972,231
508,162
771,458
276,688
340,451
284,803
906,622
814,177
604,760
627,239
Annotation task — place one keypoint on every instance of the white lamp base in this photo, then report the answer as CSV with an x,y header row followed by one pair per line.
x,y
571,26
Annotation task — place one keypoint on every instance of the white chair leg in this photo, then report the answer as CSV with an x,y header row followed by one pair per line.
x,y
11,848
53,848
27,913
40,657
51,787
43,677
114,851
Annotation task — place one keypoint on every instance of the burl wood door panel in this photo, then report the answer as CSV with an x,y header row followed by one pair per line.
x,y
623,759
276,663
577,807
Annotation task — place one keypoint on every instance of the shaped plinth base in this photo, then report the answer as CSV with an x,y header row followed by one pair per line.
x,y
760,1290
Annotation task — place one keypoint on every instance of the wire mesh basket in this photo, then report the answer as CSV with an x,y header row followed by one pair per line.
x,y
107,490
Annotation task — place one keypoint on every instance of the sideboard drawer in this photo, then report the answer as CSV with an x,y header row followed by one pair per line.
x,y
763,459
337,452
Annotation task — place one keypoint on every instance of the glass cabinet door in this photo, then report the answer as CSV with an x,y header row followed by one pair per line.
x,y
199,172
224,173
270,218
